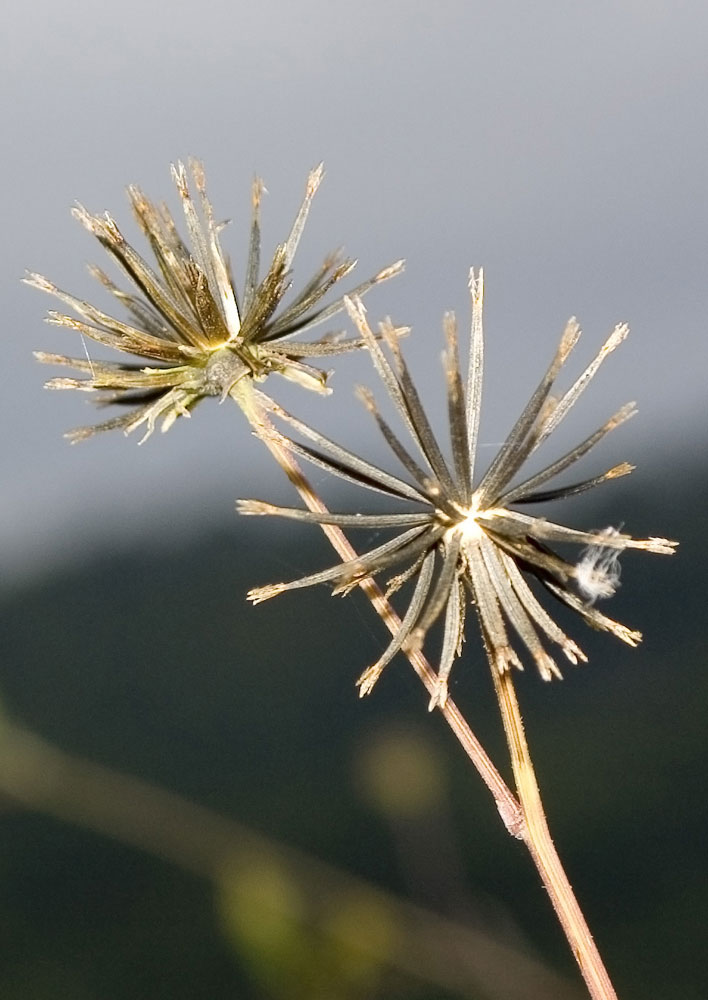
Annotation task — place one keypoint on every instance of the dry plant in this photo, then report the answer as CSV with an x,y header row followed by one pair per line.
x,y
457,539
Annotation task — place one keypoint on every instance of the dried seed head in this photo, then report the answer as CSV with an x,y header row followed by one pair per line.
x,y
186,314
464,539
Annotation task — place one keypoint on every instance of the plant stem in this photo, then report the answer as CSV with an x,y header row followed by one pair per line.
x,y
524,819
508,807
538,840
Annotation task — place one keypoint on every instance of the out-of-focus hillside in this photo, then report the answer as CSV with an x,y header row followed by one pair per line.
x,y
154,664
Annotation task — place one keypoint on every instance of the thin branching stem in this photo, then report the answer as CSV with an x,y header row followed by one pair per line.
x,y
541,847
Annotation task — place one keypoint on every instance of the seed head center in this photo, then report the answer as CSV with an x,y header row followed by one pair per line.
x,y
223,369
468,528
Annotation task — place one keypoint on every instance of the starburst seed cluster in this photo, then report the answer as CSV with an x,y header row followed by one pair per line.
x,y
456,539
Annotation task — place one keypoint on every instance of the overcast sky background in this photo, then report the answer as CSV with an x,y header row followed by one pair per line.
x,y
563,147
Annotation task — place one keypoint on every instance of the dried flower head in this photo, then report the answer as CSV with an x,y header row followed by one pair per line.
x,y
188,317
465,540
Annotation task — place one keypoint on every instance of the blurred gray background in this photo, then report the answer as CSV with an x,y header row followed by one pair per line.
x,y
563,147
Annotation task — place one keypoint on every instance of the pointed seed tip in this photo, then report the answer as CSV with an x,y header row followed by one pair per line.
x,y
619,333
314,179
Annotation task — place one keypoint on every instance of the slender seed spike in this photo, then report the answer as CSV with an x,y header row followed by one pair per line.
x,y
476,362
313,182
391,271
50,359
256,507
619,334
522,439
661,546
571,336
617,471
520,492
38,281
450,649
67,383
259,594
371,675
